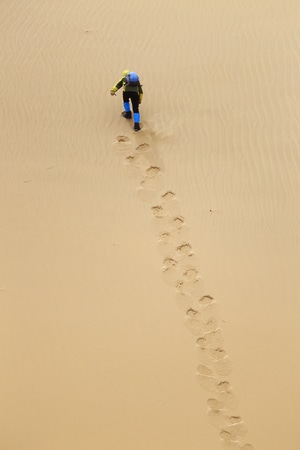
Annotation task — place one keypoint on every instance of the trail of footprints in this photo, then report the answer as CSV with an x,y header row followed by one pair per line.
x,y
179,270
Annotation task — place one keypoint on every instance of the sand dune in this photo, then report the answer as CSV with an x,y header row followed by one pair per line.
x,y
149,281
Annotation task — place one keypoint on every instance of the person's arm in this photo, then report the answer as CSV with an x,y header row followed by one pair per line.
x,y
140,93
117,86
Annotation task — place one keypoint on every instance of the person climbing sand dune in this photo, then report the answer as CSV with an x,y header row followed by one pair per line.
x,y
132,91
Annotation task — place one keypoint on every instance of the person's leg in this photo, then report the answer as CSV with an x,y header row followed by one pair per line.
x,y
127,113
135,106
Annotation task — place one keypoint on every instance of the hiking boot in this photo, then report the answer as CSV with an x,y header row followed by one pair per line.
x,y
137,126
127,114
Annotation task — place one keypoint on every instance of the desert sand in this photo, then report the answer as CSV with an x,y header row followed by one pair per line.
x,y
149,284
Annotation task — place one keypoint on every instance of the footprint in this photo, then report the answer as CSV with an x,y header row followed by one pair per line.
x,y
217,418
206,300
122,138
230,399
214,338
122,143
171,277
204,370
185,249
215,404
152,171
146,195
152,178
210,313
206,379
151,184
168,196
178,222
236,429
228,444
224,386
220,360
190,282
226,436
158,212
211,339
194,323
191,275
170,263
170,272
195,289
207,382
166,248
184,301
143,147
217,353
235,419
130,160
170,203
223,366
197,328
204,357
226,395
132,169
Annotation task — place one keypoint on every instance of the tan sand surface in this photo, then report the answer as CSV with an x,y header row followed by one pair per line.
x,y
149,287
